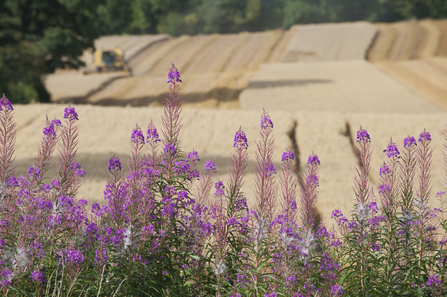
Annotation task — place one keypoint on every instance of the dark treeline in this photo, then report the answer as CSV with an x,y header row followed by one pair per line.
x,y
38,36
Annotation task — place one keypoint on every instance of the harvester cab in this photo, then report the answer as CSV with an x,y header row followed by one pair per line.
x,y
109,61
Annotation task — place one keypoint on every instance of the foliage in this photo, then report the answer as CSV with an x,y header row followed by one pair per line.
x,y
38,36
328,11
419,9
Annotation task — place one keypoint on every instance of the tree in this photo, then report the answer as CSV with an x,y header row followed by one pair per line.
x,y
419,9
38,36
326,11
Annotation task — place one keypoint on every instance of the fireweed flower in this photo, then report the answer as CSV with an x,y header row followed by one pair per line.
x,y
392,151
373,206
440,193
210,166
384,170
70,114
37,276
409,141
182,195
313,159
56,122
240,140
312,180
169,148
101,257
433,281
75,165
4,102
266,122
80,172
219,188
73,256
384,188
173,75
114,163
288,155
362,135
137,136
336,214
181,167
49,132
34,171
424,135
152,135
337,290
269,170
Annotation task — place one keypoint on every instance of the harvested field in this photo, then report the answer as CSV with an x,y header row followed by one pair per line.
x,y
412,75
442,47
344,86
215,69
325,134
131,45
398,126
315,106
104,131
329,42
331,135
74,86
384,39
408,40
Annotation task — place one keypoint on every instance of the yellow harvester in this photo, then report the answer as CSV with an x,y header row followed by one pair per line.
x,y
109,61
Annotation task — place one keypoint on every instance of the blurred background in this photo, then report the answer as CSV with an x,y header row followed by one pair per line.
x,y
39,36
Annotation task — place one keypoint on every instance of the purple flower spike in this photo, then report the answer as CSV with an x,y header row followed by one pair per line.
x,y
169,148
362,135
269,170
433,281
70,113
4,101
392,151
240,140
219,188
80,172
37,276
424,135
173,75
75,165
312,180
194,156
114,163
337,290
336,214
73,256
56,122
384,170
384,188
287,155
152,135
137,136
49,132
210,165
408,141
313,159
266,122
